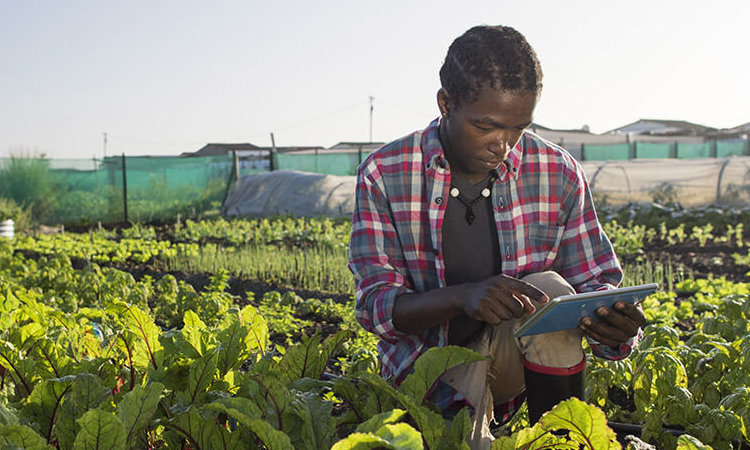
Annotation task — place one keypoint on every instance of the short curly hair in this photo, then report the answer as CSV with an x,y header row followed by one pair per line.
x,y
495,55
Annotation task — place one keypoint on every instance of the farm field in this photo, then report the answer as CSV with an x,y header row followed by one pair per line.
x,y
241,334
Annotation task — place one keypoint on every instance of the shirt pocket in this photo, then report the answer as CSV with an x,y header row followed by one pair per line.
x,y
544,242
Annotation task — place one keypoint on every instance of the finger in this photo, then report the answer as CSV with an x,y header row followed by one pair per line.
x,y
521,287
490,316
518,307
587,331
500,309
633,312
604,330
512,297
618,321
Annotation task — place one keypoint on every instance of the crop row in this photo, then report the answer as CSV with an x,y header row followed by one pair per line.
x,y
85,365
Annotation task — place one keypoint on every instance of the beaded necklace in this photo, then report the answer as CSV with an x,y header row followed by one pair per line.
x,y
470,216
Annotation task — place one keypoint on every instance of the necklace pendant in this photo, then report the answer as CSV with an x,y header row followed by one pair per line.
x,y
469,216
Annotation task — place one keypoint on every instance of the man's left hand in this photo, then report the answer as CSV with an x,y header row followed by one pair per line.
x,y
615,325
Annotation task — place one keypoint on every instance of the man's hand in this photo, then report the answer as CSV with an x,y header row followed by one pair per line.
x,y
616,325
501,298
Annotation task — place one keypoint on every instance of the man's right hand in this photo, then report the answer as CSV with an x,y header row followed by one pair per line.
x,y
501,298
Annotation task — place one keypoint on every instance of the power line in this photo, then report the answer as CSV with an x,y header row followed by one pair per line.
x,y
143,141
324,116
413,111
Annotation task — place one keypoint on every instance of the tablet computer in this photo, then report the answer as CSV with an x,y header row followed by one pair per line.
x,y
564,312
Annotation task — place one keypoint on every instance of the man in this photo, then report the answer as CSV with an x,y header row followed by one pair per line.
x,y
462,229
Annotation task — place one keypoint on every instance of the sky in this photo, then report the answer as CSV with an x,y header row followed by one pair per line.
x,y
168,76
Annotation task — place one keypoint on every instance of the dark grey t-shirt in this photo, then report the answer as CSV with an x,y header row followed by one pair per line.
x,y
471,252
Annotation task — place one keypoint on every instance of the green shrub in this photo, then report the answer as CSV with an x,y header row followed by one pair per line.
x,y
28,181
10,210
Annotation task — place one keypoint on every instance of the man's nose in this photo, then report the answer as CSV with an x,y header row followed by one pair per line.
x,y
500,143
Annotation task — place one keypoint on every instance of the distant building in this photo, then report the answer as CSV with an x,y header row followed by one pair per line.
x,y
355,146
738,132
220,149
656,127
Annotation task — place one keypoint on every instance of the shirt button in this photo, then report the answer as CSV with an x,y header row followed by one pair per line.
x,y
439,200
435,251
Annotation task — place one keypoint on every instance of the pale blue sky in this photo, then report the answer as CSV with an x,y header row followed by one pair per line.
x,y
163,77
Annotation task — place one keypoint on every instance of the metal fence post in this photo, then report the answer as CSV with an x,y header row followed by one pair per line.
x,y
124,188
234,175
271,166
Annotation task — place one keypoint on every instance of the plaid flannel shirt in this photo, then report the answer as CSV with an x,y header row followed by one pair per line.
x,y
545,221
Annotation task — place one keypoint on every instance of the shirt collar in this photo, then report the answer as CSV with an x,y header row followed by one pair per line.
x,y
434,155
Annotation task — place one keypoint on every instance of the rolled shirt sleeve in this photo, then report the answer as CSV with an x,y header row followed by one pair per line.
x,y
376,260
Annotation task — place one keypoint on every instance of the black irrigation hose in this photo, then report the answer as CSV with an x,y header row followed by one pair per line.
x,y
637,429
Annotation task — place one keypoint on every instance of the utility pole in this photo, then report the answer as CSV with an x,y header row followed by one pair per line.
x,y
105,145
371,108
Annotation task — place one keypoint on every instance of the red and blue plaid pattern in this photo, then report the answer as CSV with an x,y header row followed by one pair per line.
x,y
545,221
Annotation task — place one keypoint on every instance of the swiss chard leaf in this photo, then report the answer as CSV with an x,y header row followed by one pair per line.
x,y
247,413
141,333
587,425
431,365
309,358
318,425
137,407
687,442
202,374
43,405
460,428
86,393
22,437
399,436
374,423
51,359
192,340
271,396
430,423
202,433
100,430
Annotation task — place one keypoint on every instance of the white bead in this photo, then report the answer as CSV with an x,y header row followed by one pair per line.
x,y
485,192
454,192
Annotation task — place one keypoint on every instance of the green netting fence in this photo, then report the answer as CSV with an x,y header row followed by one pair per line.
x,y
650,150
116,189
329,163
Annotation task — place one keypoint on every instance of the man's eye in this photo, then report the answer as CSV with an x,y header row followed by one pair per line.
x,y
482,127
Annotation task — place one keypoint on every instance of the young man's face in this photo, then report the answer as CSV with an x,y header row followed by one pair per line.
x,y
478,135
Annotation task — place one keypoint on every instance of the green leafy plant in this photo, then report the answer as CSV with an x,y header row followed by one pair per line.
x,y
28,181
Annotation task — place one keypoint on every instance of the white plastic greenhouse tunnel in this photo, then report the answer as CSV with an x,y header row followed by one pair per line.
x,y
691,182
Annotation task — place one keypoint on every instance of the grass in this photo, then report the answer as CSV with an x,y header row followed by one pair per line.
x,y
320,269
643,272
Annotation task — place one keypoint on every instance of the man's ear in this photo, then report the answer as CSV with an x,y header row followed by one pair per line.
x,y
443,100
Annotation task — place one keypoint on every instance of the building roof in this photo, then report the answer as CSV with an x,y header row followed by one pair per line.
x,y
663,128
216,149
356,145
